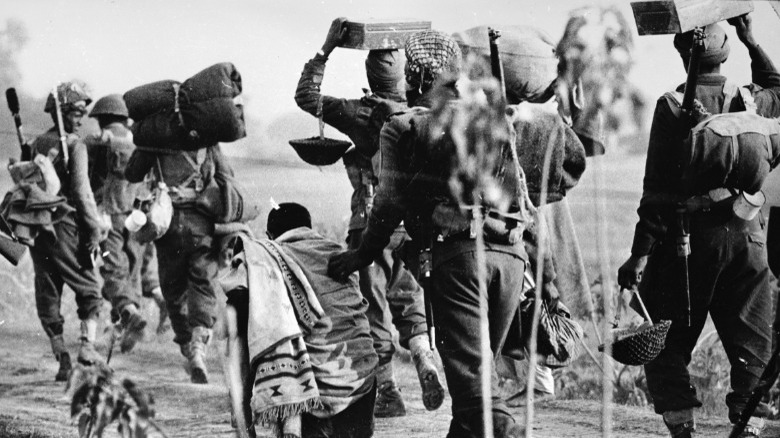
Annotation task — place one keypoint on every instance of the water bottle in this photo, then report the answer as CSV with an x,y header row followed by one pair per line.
x,y
135,221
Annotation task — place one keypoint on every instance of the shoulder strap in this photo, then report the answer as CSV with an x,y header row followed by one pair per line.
x,y
674,99
747,98
200,158
731,90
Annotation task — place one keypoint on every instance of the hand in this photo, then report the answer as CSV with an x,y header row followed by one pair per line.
x,y
336,35
89,255
744,27
341,265
630,274
550,295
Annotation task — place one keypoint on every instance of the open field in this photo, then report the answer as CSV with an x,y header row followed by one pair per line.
x,y
34,406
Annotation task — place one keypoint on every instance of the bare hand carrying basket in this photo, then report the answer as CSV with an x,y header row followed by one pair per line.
x,y
639,345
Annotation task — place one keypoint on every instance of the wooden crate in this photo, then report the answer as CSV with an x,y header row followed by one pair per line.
x,y
381,34
658,17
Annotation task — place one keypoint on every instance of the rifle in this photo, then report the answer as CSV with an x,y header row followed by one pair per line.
x,y
13,105
684,237
765,383
426,280
60,128
495,59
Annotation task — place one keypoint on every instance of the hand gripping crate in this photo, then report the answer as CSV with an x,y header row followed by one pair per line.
x,y
663,17
381,34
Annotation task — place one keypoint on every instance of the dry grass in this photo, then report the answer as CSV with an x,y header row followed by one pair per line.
x,y
10,429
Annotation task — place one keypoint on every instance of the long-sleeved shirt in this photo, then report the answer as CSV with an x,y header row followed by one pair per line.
x,y
109,153
662,186
405,192
74,179
352,118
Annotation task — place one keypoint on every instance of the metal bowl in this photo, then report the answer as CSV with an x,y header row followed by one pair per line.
x,y
320,151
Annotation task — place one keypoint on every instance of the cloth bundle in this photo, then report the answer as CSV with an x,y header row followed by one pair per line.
x,y
282,308
540,130
201,111
527,54
732,150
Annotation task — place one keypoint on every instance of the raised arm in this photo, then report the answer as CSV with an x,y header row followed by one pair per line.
x,y
764,73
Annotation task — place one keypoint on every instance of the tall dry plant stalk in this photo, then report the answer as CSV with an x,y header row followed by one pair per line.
x,y
99,400
595,58
541,253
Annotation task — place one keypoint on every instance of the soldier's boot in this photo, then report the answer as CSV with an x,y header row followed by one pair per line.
x,y
389,402
681,424
163,325
133,325
432,391
195,352
62,356
505,426
753,428
88,354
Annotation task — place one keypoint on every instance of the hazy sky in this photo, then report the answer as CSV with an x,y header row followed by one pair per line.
x,y
115,45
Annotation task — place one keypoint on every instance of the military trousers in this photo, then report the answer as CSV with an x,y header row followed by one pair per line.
x,y
456,305
122,267
394,297
150,276
55,262
729,280
188,271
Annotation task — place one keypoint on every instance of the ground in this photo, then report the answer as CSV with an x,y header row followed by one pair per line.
x,y
31,401
32,405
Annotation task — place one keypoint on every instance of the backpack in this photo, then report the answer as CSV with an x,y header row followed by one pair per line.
x,y
735,150
380,110
433,162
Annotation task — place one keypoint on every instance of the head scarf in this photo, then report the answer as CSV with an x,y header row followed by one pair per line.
x,y
385,70
73,97
716,45
429,54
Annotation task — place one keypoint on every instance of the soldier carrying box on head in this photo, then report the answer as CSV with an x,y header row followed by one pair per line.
x,y
385,283
414,186
727,265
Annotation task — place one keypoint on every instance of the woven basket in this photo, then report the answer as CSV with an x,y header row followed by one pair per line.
x,y
640,345
320,151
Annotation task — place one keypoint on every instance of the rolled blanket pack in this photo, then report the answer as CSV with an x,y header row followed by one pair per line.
x,y
201,111
150,99
528,55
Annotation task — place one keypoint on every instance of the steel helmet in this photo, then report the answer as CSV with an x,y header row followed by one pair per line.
x,y
72,96
113,104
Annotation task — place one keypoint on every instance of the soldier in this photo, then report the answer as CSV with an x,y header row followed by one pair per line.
x,y
63,254
406,158
188,275
385,282
109,152
727,265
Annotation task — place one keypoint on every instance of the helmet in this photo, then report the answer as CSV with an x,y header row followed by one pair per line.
x,y
113,104
72,96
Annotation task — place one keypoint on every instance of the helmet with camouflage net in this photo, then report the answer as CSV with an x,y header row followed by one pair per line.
x,y
430,54
72,96
113,105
